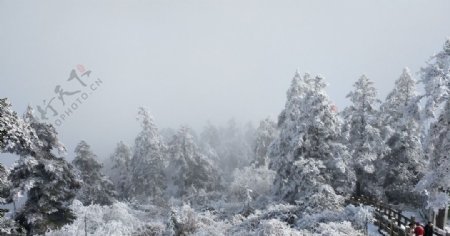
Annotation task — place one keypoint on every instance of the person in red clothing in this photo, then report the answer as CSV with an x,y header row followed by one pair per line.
x,y
419,231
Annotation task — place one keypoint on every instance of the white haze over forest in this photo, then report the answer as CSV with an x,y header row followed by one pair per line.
x,y
191,62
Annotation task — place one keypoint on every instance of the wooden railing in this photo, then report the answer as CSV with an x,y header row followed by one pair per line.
x,y
389,220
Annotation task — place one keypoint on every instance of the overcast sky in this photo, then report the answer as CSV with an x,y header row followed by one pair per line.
x,y
191,62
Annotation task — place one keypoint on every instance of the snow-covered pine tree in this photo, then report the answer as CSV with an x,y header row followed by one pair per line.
x,y
120,172
362,132
16,135
309,160
189,169
147,164
265,134
403,165
281,154
210,142
436,181
436,80
401,104
50,185
95,188
48,180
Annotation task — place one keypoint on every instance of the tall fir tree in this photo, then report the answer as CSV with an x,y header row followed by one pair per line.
x,y
435,77
147,164
120,172
265,134
403,165
210,142
48,180
95,188
308,157
189,170
436,182
16,135
401,104
363,135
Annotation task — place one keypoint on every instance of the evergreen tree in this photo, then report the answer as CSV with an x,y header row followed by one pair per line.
x,y
50,185
401,104
96,188
48,180
363,135
121,170
265,134
16,135
210,142
403,165
189,169
308,157
436,79
436,181
147,164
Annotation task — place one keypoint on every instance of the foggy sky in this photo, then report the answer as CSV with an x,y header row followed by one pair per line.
x,y
191,62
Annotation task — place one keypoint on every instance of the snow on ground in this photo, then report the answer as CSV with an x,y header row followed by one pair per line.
x,y
372,230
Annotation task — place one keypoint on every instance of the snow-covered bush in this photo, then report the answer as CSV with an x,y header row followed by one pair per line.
x,y
358,216
276,227
118,219
343,228
186,221
251,182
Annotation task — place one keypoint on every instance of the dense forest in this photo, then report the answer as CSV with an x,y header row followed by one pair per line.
x,y
290,176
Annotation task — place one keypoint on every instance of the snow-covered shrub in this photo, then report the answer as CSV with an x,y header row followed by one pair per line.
x,y
251,182
183,220
276,227
356,215
118,219
151,229
282,219
343,228
209,224
324,199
